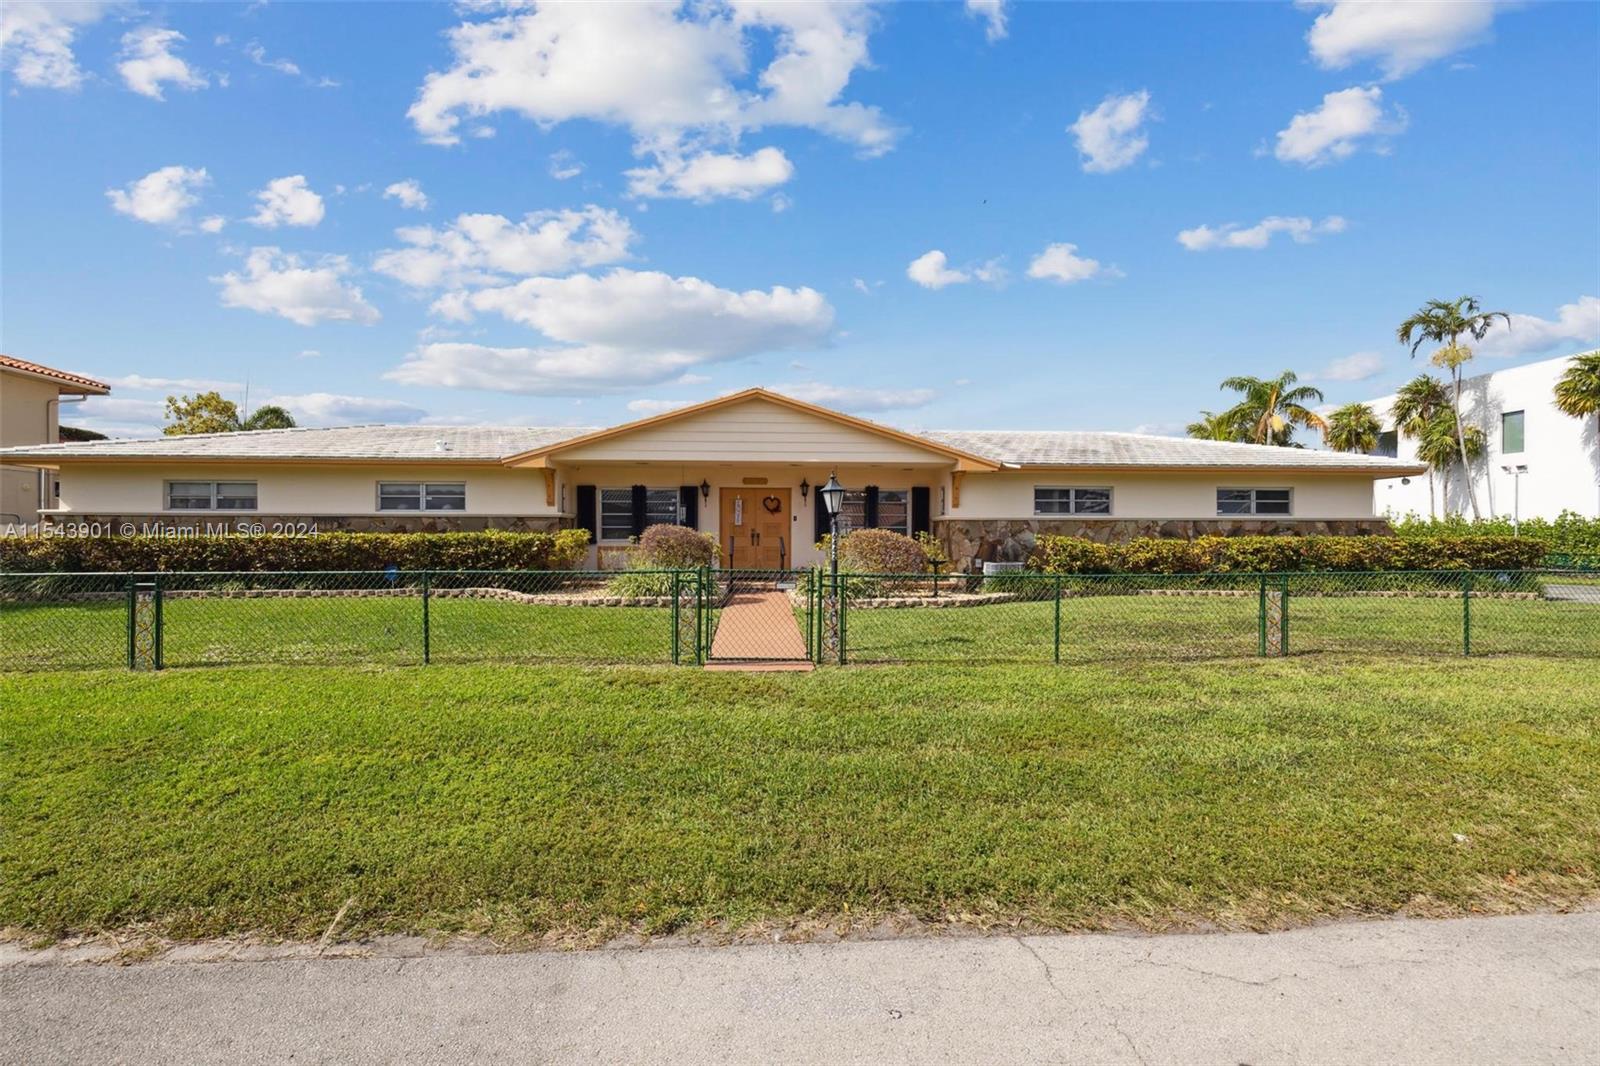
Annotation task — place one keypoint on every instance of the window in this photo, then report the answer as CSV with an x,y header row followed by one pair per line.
x,y
1511,432
211,495
422,496
1388,444
1252,501
1047,500
616,511
894,511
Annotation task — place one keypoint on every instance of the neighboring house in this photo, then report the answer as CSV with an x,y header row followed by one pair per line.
x,y
744,467
1522,427
30,407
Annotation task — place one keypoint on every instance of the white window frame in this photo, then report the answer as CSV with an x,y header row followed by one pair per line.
x,y
626,492
1072,500
212,495
1255,507
425,491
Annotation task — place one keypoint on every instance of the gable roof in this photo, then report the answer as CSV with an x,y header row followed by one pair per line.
x,y
69,382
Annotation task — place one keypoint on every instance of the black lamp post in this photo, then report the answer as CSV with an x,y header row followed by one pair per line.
x,y
831,496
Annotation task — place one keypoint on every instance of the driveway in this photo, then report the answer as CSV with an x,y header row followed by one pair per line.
x,y
1524,989
1573,593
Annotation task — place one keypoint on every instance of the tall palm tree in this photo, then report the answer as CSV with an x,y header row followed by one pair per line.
x,y
1442,441
1353,428
1216,427
1272,408
1445,322
1578,391
1414,407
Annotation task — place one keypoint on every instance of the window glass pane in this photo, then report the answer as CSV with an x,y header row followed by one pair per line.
x,y
445,496
661,507
1511,432
1388,444
399,496
1091,501
1052,501
616,514
1233,501
894,510
189,495
236,495
1266,506
853,512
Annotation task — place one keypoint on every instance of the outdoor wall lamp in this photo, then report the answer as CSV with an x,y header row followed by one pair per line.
x,y
705,489
805,487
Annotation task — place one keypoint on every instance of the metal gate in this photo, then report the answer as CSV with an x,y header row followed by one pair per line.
x,y
760,616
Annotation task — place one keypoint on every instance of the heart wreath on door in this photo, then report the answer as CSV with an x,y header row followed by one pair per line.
x,y
772,504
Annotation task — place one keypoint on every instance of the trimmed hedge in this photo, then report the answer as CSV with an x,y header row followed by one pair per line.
x,y
494,550
1223,555
1570,533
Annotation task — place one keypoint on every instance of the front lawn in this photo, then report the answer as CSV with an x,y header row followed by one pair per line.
x,y
580,801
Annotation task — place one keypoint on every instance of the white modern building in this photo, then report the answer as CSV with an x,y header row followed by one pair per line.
x,y
1537,460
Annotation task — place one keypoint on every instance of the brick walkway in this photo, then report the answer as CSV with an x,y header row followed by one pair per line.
x,y
759,627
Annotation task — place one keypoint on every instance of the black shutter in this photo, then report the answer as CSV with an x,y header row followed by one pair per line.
x,y
689,500
871,507
920,510
587,516
640,505
819,515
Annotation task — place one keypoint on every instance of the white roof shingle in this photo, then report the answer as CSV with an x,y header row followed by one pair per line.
x,y
1100,449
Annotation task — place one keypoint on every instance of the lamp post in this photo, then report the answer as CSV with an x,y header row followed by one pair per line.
x,y
832,498
1516,473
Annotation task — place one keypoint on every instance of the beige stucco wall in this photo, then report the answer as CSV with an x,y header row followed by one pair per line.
x,y
1009,494
26,417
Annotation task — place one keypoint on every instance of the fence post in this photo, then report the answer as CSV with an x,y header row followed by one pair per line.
x,y
159,649
427,625
1466,612
1261,618
676,607
841,597
1058,620
133,611
1284,650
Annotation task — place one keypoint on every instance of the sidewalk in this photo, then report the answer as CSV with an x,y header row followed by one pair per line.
x,y
1524,989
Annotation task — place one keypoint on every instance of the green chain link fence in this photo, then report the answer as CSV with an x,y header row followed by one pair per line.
x,y
51,621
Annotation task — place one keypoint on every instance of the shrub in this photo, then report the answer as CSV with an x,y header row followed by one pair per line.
x,y
1570,533
491,550
1252,555
881,551
664,547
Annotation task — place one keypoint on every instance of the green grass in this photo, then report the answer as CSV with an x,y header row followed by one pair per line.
x,y
584,801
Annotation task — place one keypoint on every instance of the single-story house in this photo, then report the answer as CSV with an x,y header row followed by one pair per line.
x,y
743,467
31,396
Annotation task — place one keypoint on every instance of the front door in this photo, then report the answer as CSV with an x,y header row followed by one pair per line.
x,y
756,529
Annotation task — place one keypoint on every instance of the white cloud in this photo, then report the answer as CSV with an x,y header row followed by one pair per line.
x,y
1337,129
1060,262
287,201
148,62
1301,230
711,175
1110,136
142,383
162,197
334,409
119,416
1400,37
409,193
1356,367
931,270
681,78
620,330
484,249
275,283
993,13
1575,325
564,165
655,407
213,223
853,398
36,40
258,56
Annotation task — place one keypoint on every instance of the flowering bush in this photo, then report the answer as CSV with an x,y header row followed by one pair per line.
x,y
881,551
665,547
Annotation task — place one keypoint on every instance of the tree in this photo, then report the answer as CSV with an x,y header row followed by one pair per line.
x,y
1216,427
208,412
1445,322
1414,407
1353,428
1443,441
1272,408
1578,391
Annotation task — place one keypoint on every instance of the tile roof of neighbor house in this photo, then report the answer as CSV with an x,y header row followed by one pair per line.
x,y
444,444
75,382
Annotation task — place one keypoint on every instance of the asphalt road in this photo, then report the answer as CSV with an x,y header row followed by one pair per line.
x,y
1523,989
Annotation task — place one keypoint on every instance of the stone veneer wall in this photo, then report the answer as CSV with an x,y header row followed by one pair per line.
x,y
197,524
969,544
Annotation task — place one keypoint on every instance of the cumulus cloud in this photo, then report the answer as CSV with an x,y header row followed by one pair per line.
x,y
1355,367
1346,120
212,224
484,249
162,197
655,407
409,193
1576,325
335,409
1061,262
276,283
564,165
1111,136
287,201
1400,37
853,398
120,416
711,175
142,383
931,270
36,39
148,62
993,14
1301,230
619,330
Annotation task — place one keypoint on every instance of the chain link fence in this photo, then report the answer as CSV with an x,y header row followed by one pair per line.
x,y
149,621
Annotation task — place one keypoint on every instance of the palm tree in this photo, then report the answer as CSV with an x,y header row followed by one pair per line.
x,y
1414,407
1442,441
1445,322
1578,391
1216,427
1271,408
1353,428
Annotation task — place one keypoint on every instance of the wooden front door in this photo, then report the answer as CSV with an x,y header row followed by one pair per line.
x,y
756,528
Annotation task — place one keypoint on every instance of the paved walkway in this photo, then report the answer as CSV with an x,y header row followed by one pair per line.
x,y
759,624
1489,990
1573,593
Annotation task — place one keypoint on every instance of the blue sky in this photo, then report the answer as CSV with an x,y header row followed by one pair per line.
x,y
973,216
